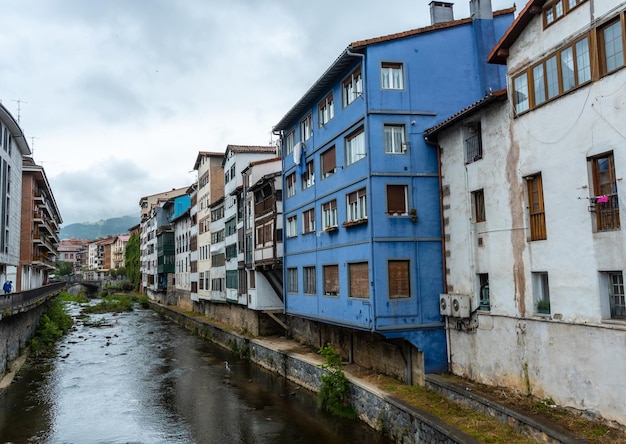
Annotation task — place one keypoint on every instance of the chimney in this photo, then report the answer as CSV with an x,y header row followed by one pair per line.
x,y
481,10
441,12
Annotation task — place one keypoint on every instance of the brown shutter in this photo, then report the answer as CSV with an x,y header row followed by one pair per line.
x,y
331,280
328,161
359,280
399,275
396,199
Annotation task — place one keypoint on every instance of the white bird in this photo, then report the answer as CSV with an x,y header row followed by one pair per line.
x,y
227,366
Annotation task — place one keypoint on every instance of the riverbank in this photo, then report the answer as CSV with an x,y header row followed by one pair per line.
x,y
14,368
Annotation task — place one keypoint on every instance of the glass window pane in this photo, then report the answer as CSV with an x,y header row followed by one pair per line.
x,y
540,87
613,47
582,61
552,76
567,68
521,93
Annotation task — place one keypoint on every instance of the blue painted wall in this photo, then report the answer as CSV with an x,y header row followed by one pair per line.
x,y
444,71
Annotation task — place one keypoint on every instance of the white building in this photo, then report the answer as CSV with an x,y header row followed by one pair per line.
x,y
13,146
236,158
534,249
208,166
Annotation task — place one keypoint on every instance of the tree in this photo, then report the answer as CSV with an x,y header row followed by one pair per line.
x,y
65,268
132,260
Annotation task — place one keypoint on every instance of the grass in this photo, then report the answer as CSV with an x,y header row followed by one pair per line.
x,y
117,303
52,325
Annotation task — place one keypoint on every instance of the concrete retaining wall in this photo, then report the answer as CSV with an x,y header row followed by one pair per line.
x,y
15,331
395,419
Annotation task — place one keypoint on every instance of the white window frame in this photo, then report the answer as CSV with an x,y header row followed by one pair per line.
x,y
292,226
392,75
290,142
358,209
326,110
306,128
308,221
355,147
352,87
394,139
329,214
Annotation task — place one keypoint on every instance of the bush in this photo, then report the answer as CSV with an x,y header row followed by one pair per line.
x,y
52,325
333,396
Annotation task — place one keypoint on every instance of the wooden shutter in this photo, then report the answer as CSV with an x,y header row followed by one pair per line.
x,y
396,199
359,280
331,280
399,279
328,161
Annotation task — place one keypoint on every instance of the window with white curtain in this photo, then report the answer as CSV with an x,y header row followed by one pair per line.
x,y
393,139
355,147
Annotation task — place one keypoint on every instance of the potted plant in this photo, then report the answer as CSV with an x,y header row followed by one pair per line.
x,y
543,306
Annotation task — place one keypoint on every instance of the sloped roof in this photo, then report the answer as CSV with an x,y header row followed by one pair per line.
x,y
202,154
500,94
347,58
500,52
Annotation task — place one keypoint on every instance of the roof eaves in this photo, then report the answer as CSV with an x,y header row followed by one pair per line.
x,y
500,94
500,51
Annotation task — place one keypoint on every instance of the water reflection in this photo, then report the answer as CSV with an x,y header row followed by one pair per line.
x,y
138,378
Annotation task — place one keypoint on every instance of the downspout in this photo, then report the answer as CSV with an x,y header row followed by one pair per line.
x,y
283,190
443,238
369,176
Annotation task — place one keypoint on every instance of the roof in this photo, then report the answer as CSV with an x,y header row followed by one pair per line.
x,y
500,52
498,95
347,59
14,127
248,149
202,154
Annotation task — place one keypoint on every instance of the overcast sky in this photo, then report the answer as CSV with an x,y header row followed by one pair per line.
x,y
116,97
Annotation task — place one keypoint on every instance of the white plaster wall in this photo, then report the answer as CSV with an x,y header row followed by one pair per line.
x,y
575,355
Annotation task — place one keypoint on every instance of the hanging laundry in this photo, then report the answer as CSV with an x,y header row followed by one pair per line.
x,y
602,199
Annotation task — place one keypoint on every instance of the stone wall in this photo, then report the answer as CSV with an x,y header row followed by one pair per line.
x,y
239,317
400,422
366,349
15,331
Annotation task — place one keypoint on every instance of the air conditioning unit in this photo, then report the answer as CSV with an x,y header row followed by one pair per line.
x,y
460,305
445,308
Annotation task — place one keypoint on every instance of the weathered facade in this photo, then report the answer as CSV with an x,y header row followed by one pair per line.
x,y
533,216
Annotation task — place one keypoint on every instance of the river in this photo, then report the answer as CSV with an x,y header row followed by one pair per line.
x,y
138,378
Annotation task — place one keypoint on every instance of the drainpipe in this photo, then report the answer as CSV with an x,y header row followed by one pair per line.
x,y
443,238
369,176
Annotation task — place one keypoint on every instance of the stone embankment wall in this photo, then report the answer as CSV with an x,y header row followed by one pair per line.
x,y
395,419
15,331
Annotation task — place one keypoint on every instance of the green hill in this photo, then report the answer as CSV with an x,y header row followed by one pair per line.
x,y
102,228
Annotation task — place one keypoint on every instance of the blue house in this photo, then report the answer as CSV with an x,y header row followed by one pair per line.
x,y
361,193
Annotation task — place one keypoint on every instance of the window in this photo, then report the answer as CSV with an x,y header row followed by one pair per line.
x,y
352,87
306,128
292,280
611,47
399,278
231,251
396,200
232,279
478,200
331,280
218,260
473,142
394,139
541,291
329,162
536,208
252,279
217,284
292,229
326,110
484,303
217,236
291,185
605,189
309,280
357,205
289,141
557,9
230,227
329,214
559,73
391,76
308,221
617,301
308,178
355,147
358,274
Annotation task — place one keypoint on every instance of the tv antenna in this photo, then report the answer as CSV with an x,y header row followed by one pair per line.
x,y
19,108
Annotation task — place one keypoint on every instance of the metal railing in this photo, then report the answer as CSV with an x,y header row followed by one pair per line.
x,y
20,301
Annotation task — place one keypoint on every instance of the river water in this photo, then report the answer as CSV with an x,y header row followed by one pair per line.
x,y
138,378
